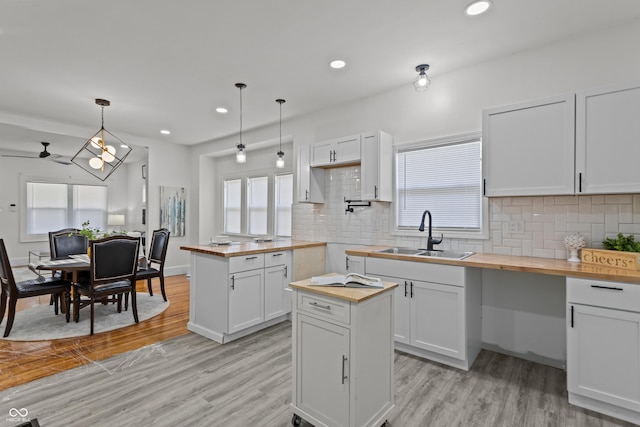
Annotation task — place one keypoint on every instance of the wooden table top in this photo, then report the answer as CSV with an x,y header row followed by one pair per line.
x,y
557,267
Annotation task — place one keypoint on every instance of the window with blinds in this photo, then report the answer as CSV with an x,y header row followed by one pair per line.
x,y
446,179
232,205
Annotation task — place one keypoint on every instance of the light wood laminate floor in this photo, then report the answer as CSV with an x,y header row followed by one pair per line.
x,y
190,380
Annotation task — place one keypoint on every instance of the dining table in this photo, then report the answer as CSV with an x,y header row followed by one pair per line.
x,y
72,265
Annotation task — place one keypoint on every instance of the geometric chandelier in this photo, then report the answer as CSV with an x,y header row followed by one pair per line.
x,y
103,153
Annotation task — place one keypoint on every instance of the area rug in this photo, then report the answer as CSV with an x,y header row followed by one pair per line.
x,y
40,322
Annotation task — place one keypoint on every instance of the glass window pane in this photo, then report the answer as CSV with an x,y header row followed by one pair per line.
x,y
257,205
283,201
444,179
90,204
232,205
46,207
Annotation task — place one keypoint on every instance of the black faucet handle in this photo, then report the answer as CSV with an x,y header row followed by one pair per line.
x,y
437,242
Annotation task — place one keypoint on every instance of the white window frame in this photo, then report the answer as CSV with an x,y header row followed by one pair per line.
x,y
24,179
270,174
482,233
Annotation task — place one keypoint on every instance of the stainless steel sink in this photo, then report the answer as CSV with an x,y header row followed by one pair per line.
x,y
401,251
426,253
445,254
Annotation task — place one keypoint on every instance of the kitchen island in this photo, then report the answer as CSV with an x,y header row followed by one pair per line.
x,y
240,288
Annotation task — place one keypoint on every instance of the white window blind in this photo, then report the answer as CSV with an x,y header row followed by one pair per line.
x,y
53,206
232,205
257,204
47,207
283,201
446,180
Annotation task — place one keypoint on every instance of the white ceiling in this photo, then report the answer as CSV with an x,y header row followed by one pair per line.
x,y
167,64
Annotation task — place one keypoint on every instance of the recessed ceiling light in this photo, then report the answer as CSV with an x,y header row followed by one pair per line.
x,y
478,7
337,63
222,110
165,132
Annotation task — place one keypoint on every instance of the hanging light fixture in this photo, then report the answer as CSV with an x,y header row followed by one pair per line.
x,y
280,160
241,153
422,81
98,155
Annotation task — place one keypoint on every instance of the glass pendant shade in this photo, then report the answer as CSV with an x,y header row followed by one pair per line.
x,y
241,154
280,160
422,81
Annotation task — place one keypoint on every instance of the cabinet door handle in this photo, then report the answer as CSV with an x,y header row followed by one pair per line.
x,y
286,273
344,375
315,304
580,182
306,194
375,191
346,262
249,258
411,289
611,288
572,316
484,187
405,288
233,282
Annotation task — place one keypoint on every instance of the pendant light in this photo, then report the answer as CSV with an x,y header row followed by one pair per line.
x,y
280,160
98,155
241,153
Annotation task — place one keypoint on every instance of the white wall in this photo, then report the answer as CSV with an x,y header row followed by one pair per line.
x,y
169,165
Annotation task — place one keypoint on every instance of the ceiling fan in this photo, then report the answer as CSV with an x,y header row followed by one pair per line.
x,y
43,155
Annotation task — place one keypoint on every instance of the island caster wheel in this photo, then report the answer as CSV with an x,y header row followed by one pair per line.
x,y
296,420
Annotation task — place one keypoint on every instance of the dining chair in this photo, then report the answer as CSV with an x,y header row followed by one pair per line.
x,y
12,291
157,255
113,268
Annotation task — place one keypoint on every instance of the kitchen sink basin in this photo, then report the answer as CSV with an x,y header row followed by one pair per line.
x,y
401,251
426,253
445,254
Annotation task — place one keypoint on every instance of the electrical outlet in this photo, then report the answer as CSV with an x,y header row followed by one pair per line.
x,y
516,226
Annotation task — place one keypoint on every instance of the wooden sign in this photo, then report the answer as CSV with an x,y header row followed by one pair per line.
x,y
615,259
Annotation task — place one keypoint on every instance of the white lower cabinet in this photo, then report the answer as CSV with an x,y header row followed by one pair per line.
x,y
437,309
603,347
354,264
246,293
235,296
342,359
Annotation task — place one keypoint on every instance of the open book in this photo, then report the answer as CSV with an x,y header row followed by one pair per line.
x,y
351,280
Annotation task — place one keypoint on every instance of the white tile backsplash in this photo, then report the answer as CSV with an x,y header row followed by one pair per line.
x,y
547,220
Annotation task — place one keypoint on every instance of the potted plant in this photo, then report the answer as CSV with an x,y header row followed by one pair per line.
x,y
91,233
622,243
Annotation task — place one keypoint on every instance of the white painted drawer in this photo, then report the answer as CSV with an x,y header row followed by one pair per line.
x,y
277,258
601,293
246,262
423,271
325,307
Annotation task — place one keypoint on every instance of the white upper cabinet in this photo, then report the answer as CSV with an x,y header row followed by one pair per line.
x,y
310,180
528,149
608,140
336,152
377,166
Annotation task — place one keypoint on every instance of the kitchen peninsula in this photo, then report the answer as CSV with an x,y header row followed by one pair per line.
x,y
440,309
240,288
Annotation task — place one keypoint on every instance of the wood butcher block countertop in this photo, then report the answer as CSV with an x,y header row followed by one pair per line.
x,y
248,248
551,266
348,294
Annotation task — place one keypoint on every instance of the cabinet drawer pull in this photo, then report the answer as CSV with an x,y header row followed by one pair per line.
x,y
250,258
344,376
315,304
607,287
278,254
